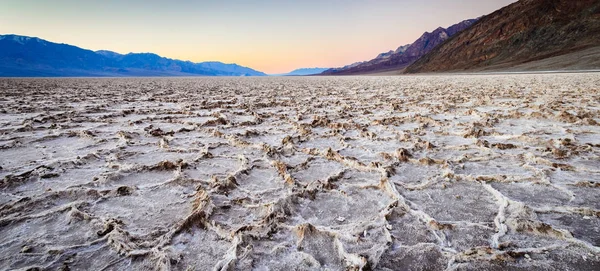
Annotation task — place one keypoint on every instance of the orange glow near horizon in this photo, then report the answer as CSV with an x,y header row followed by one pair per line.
x,y
273,36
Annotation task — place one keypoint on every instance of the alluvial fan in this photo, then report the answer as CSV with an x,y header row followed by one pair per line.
x,y
463,172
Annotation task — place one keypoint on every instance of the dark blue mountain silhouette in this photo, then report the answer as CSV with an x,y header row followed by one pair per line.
x,y
30,57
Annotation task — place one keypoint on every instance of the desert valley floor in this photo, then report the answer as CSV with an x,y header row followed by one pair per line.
x,y
457,172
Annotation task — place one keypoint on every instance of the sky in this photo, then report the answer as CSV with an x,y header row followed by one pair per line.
x,y
273,36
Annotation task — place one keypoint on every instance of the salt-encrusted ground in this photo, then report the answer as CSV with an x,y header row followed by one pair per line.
x,y
386,173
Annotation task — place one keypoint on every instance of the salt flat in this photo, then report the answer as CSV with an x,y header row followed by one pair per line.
x,y
464,172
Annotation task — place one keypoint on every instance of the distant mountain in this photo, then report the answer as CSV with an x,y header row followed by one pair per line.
x,y
303,71
526,35
109,54
26,56
230,68
404,55
387,55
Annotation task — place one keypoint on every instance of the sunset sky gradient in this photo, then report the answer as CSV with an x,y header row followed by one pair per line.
x,y
273,36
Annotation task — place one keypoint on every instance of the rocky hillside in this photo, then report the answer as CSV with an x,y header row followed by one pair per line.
x,y
527,31
404,55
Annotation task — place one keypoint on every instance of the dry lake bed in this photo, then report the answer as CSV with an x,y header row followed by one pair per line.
x,y
462,172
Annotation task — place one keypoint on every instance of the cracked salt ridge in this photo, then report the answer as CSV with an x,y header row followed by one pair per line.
x,y
390,173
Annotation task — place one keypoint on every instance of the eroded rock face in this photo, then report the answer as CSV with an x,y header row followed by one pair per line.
x,y
522,33
373,173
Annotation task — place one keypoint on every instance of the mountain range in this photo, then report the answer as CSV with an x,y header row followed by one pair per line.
x,y
404,55
526,35
303,72
22,56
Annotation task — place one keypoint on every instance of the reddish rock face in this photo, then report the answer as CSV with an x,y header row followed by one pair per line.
x,y
405,55
522,32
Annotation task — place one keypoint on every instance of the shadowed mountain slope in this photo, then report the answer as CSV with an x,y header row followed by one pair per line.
x,y
524,35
